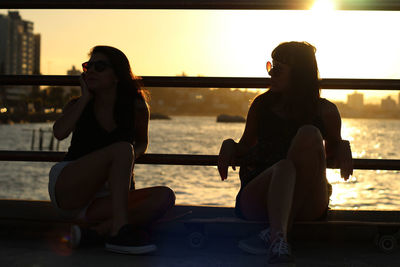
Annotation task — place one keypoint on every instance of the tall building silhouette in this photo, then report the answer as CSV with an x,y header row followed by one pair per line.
x,y
68,89
19,46
398,100
19,52
388,104
355,100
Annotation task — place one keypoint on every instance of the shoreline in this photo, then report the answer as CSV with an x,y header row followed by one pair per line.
x,y
51,117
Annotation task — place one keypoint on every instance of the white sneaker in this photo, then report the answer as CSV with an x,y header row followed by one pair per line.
x,y
280,253
83,236
75,236
257,244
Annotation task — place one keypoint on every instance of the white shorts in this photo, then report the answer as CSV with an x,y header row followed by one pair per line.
x,y
71,214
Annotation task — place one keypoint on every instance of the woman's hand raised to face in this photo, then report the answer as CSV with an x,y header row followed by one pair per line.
x,y
86,94
226,158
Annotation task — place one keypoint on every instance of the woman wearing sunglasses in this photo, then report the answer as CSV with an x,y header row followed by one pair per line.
x,y
109,126
289,134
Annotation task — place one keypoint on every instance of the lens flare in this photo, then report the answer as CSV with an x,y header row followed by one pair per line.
x,y
323,5
65,239
57,241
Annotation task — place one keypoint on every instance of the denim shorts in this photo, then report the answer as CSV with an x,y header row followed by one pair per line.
x,y
239,213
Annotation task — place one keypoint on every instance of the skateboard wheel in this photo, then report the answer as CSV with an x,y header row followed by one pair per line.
x,y
196,240
376,240
387,243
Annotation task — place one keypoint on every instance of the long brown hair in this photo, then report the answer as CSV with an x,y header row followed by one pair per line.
x,y
129,87
304,91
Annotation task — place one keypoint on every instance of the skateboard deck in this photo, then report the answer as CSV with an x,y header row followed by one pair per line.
x,y
385,235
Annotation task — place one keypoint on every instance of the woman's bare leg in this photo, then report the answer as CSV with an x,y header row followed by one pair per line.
x,y
270,195
293,188
145,206
307,152
80,180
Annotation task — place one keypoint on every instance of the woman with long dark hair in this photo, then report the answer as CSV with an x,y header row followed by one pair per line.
x,y
290,132
95,182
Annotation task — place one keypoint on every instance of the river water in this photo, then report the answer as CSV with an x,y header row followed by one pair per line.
x,y
201,185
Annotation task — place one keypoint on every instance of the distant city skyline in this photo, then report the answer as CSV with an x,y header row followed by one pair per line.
x,y
349,44
356,100
370,97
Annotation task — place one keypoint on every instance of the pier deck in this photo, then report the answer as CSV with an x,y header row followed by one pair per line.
x,y
175,252
35,239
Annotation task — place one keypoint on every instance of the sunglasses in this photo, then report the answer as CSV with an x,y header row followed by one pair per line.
x,y
269,67
99,66
277,68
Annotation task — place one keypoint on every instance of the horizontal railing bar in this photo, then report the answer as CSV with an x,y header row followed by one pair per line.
x,y
197,4
182,159
204,82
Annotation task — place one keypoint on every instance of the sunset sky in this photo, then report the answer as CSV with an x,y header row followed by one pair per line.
x,y
350,44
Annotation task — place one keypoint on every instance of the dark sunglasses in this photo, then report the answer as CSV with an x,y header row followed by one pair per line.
x,y
99,66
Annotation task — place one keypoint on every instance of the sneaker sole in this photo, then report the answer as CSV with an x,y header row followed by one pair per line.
x,y
252,250
287,264
75,236
131,250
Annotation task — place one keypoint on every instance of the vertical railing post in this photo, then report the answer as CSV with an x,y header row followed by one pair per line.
x,y
51,144
33,139
40,139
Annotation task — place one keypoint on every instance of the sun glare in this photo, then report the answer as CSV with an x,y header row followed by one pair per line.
x,y
323,5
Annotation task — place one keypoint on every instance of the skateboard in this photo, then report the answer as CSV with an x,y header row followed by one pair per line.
x,y
385,235
199,229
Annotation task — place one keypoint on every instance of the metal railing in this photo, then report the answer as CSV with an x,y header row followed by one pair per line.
x,y
183,159
216,82
205,82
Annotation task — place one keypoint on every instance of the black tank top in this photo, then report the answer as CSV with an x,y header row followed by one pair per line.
x,y
275,135
90,136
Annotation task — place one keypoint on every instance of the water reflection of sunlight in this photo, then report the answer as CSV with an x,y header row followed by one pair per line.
x,y
342,196
333,176
358,154
348,131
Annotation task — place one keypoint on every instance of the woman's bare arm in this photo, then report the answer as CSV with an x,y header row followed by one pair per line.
x,y
337,149
141,128
71,113
66,123
230,150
